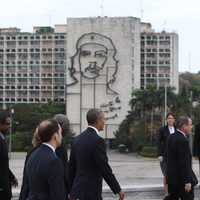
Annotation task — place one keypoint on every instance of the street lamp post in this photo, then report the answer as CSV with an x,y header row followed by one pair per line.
x,y
10,132
165,99
191,101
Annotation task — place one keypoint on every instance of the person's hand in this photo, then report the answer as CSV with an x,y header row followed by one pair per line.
x,y
14,182
121,195
160,159
188,187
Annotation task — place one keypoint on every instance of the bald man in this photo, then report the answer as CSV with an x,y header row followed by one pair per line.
x,y
44,169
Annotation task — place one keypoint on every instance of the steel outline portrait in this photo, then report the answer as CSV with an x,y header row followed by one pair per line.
x,y
95,55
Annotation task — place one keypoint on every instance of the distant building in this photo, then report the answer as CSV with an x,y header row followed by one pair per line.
x,y
32,66
159,58
9,30
88,63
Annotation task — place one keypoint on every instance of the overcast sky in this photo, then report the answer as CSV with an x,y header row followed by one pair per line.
x,y
181,16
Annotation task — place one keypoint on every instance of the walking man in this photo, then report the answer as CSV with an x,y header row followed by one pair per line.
x,y
7,179
44,169
61,152
88,162
180,176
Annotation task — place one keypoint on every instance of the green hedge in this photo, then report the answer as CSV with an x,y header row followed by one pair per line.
x,y
149,151
21,141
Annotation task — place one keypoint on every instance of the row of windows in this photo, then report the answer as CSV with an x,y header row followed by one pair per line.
x,y
155,55
21,70
13,56
33,37
155,75
26,50
36,81
32,75
31,100
32,44
151,42
156,62
37,87
155,50
154,37
56,62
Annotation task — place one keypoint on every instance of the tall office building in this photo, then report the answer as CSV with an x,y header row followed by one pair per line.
x,y
159,58
32,65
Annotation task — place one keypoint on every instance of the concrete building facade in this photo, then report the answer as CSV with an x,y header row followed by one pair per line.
x,y
32,66
159,58
103,62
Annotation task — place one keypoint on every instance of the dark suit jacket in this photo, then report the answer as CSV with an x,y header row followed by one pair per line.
x,y
163,134
61,152
88,164
44,173
24,188
5,173
179,161
196,141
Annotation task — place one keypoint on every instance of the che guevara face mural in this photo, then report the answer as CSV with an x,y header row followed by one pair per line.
x,y
94,57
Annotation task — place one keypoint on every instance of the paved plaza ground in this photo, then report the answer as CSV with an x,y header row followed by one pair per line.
x,y
139,177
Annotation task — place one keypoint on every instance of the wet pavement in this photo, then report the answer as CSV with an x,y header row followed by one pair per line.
x,y
139,177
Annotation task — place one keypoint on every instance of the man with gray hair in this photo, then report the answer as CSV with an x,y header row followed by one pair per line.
x,y
88,162
180,176
61,151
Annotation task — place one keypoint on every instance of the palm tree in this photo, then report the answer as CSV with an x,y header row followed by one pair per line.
x,y
139,102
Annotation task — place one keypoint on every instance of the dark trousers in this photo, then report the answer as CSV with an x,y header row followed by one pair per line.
x,y
178,192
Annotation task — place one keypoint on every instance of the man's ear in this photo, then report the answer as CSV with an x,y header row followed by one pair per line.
x,y
54,136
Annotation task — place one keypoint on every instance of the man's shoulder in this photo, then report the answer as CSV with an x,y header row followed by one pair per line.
x,y
163,129
42,151
43,154
177,134
89,134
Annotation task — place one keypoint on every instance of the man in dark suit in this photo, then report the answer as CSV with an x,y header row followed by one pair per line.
x,y
61,151
44,169
180,176
7,179
88,162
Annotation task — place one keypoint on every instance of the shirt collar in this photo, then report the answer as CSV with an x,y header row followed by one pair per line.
x,y
94,129
2,136
49,146
181,132
171,129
